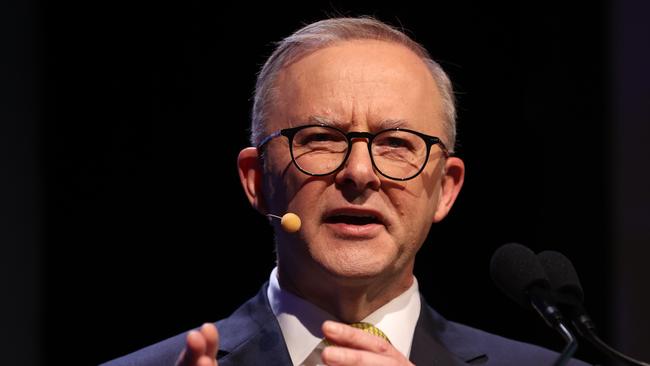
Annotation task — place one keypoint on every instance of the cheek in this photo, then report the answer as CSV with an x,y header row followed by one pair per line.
x,y
304,194
274,194
282,184
414,207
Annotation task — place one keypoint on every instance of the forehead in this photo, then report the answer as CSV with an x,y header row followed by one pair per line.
x,y
362,83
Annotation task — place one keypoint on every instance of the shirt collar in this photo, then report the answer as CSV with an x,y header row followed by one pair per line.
x,y
300,320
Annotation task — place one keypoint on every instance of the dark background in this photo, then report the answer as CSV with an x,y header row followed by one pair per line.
x,y
123,222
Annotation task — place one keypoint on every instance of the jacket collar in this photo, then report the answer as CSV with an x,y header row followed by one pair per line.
x,y
254,337
444,341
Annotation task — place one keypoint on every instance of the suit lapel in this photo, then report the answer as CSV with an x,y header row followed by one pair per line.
x,y
253,336
426,349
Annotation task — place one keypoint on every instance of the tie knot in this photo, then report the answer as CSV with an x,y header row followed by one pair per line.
x,y
366,327
369,328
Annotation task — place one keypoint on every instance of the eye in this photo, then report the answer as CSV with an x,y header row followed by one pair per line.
x,y
395,142
319,137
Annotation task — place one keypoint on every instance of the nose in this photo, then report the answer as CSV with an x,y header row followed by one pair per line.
x,y
358,171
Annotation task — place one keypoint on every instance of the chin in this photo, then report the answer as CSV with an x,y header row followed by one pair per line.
x,y
354,266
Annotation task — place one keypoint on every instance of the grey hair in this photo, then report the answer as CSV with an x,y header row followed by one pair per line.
x,y
325,33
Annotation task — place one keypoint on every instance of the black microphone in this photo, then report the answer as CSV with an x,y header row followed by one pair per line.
x,y
565,283
518,273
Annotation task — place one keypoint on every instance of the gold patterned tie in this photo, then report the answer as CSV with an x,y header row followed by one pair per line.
x,y
366,327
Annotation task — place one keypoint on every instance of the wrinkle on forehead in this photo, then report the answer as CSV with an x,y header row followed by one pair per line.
x,y
365,84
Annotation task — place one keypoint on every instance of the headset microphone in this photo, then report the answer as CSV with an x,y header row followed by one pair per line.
x,y
290,222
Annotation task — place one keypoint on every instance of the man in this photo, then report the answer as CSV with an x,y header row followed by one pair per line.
x,y
354,128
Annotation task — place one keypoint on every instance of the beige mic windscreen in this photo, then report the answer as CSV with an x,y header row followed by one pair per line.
x,y
290,222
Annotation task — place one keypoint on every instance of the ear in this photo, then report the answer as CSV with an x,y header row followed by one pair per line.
x,y
250,176
451,182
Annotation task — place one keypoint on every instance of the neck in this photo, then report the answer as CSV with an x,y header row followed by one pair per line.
x,y
348,299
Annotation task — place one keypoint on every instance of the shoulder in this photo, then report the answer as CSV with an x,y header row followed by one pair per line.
x,y
234,331
161,353
505,351
491,349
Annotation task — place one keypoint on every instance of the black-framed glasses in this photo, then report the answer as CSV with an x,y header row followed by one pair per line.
x,y
396,153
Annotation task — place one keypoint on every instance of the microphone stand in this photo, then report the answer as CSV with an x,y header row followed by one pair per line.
x,y
569,349
568,296
554,319
587,329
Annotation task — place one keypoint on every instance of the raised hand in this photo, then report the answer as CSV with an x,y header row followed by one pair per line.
x,y
200,347
356,347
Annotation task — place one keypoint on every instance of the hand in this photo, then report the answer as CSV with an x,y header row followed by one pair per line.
x,y
356,347
200,347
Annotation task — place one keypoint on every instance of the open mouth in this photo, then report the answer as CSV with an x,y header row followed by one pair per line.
x,y
352,219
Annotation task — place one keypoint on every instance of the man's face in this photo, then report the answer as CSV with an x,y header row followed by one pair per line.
x,y
356,224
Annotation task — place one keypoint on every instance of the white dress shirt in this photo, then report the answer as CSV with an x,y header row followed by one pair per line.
x,y
300,321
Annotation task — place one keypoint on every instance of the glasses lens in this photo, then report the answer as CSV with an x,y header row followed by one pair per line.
x,y
399,154
319,149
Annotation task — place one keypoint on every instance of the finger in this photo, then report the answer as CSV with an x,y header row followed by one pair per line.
x,y
211,336
347,336
206,361
341,356
194,349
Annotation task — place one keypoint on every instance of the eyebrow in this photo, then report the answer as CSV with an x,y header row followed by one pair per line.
x,y
381,125
324,121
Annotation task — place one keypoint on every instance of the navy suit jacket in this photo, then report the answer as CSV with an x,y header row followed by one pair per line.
x,y
252,336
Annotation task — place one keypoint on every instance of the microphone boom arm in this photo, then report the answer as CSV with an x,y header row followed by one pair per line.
x,y
554,319
585,326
